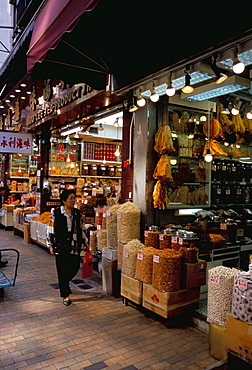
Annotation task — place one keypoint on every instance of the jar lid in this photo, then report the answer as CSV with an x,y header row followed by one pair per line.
x,y
153,228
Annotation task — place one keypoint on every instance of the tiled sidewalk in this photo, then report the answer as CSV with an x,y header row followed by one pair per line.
x,y
97,331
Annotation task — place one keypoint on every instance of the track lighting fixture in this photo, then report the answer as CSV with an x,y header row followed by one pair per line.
x,y
133,107
101,128
116,123
140,101
238,67
170,91
154,96
220,77
187,89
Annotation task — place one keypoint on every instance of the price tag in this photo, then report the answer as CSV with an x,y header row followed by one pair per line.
x,y
223,226
119,215
174,239
161,236
242,284
180,241
98,227
156,259
125,254
215,280
108,213
140,256
104,214
146,233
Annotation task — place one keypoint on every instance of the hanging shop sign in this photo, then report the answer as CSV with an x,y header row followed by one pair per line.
x,y
14,142
78,93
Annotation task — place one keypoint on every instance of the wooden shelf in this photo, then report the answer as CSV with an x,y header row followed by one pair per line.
x,y
18,226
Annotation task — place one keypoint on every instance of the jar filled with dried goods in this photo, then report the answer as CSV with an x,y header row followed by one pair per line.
x,y
111,171
93,170
165,240
101,170
151,237
85,169
228,230
118,171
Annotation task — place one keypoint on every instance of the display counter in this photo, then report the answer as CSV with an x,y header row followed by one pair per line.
x,y
6,218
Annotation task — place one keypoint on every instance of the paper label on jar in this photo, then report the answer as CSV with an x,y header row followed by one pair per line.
x,y
125,254
228,191
156,259
223,226
104,214
108,213
119,215
174,239
180,241
234,169
218,191
215,280
224,168
98,227
140,256
146,233
242,284
161,237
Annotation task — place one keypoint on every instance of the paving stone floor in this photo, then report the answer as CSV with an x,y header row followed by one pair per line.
x,y
96,332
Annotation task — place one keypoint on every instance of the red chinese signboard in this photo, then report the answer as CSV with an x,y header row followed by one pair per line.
x,y
14,142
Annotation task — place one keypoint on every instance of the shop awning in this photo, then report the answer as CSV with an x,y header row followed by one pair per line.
x,y
55,19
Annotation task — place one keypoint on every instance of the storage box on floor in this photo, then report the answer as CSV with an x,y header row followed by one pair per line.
x,y
111,277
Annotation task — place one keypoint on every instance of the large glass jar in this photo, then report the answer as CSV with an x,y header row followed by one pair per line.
x,y
111,171
93,170
228,230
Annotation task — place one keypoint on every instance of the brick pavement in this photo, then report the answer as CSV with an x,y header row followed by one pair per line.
x,y
96,332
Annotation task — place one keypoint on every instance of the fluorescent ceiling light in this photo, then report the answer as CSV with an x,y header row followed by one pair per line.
x,y
245,58
199,72
183,212
232,84
71,131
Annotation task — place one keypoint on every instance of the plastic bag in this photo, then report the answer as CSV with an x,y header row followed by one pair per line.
x,y
87,265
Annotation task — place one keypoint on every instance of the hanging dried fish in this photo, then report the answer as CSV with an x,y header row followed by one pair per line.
x,y
163,140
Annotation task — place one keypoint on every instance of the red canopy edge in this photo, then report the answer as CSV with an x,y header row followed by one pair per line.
x,y
55,18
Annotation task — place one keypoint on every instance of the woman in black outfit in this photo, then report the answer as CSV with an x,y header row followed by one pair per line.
x,y
65,238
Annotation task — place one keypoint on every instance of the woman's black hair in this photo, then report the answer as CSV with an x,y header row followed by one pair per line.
x,y
65,194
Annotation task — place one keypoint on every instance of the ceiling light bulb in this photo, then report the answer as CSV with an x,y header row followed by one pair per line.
x,y
234,111
154,96
249,115
12,96
187,89
133,108
68,159
104,160
173,162
23,85
18,90
221,78
226,143
117,152
238,67
141,102
170,91
208,157
1,106
203,118
7,100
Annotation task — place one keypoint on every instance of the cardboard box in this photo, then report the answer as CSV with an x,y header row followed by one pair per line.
x,y
193,274
217,342
131,289
168,304
120,254
111,277
110,254
239,338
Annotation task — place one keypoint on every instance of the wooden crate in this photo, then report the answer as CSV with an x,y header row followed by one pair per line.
x,y
131,289
169,304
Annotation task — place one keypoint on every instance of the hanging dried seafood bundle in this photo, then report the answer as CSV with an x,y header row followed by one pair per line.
x,y
238,124
160,198
214,130
163,140
180,195
247,123
215,148
163,169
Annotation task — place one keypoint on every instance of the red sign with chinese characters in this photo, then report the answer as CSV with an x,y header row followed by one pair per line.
x,y
14,142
